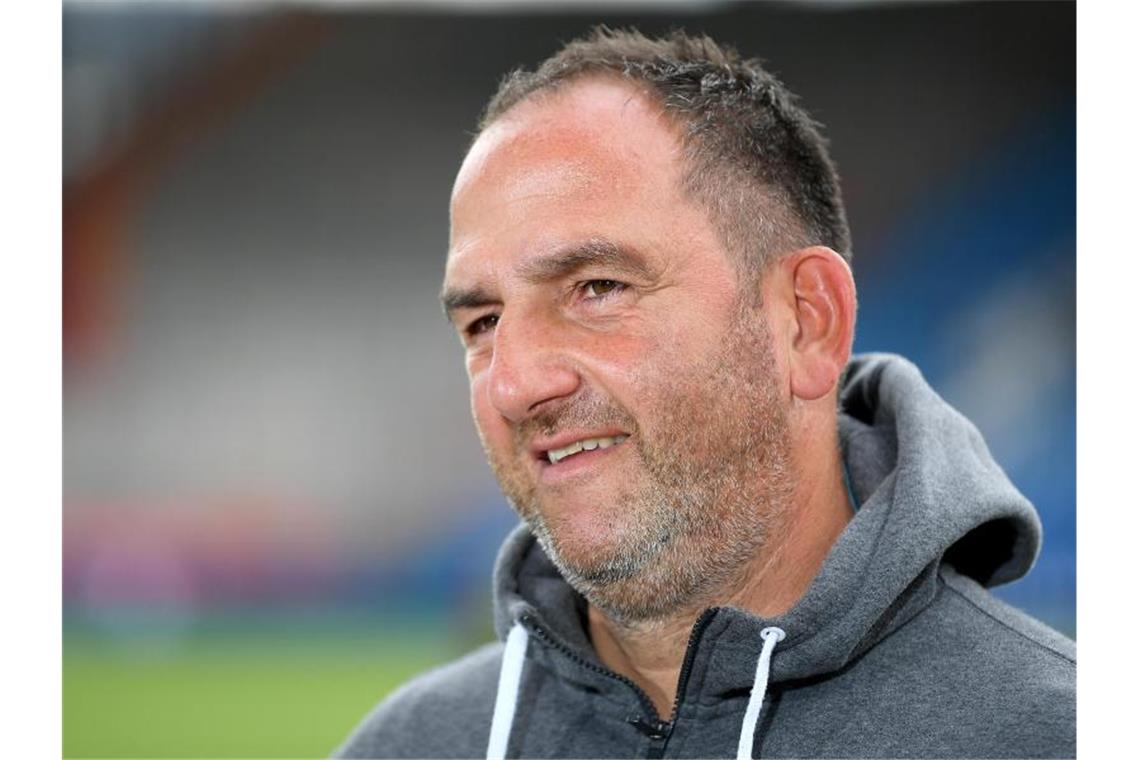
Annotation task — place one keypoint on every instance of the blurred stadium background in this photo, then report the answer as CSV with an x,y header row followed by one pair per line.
x,y
275,506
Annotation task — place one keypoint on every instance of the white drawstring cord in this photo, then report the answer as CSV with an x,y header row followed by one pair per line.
x,y
510,676
771,636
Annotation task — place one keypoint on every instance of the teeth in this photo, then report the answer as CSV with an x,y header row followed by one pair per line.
x,y
588,444
556,454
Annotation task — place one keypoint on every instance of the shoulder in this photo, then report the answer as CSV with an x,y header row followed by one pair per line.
x,y
445,712
993,618
994,672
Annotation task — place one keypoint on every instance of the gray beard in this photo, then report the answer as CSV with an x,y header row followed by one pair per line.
x,y
687,554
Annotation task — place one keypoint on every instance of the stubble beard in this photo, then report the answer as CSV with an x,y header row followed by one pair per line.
x,y
714,454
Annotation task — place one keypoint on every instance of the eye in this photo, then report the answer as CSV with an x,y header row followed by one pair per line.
x,y
482,325
601,288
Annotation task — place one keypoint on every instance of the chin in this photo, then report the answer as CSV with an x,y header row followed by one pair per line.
x,y
647,570
633,590
628,573
585,544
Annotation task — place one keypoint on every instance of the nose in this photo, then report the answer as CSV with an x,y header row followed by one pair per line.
x,y
528,369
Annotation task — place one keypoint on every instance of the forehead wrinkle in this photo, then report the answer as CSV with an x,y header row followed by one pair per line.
x,y
550,178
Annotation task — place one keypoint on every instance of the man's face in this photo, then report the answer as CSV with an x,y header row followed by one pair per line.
x,y
623,381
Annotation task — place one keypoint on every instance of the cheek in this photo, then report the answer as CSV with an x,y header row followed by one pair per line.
x,y
480,407
493,430
624,361
646,369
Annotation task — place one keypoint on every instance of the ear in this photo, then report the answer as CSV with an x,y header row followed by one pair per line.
x,y
821,293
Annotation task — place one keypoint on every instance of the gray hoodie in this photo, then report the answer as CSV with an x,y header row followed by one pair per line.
x,y
896,649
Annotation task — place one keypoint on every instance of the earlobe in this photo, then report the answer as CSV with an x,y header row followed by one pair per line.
x,y
824,309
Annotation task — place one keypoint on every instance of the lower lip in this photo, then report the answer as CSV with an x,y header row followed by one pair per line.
x,y
576,464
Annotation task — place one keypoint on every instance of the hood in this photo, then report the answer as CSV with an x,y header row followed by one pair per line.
x,y
928,493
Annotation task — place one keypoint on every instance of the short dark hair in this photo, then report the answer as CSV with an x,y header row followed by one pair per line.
x,y
756,160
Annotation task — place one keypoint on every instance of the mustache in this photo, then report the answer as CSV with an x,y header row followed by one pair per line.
x,y
585,410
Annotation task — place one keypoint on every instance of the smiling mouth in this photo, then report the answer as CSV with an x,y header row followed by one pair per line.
x,y
554,456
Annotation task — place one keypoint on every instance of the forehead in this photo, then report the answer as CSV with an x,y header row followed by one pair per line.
x,y
582,132
594,159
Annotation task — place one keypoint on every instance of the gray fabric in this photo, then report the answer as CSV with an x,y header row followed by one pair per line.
x,y
896,649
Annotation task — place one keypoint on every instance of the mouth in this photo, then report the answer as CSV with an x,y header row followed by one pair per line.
x,y
574,453
554,456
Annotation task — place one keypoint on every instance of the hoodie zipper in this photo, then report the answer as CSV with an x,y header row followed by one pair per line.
x,y
658,731
658,750
541,633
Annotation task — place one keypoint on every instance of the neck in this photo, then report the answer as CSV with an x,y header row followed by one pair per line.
x,y
775,579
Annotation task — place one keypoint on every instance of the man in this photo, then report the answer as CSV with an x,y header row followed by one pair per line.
x,y
736,540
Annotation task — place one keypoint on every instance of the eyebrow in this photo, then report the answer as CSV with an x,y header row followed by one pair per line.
x,y
454,299
599,253
556,265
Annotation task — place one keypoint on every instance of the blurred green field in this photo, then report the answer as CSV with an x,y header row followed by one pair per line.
x,y
232,695
237,694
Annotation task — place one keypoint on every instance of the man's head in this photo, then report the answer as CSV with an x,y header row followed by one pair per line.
x,y
643,398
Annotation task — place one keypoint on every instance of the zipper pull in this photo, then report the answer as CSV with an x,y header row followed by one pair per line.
x,y
654,729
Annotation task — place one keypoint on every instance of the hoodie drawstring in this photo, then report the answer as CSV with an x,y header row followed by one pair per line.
x,y
771,636
510,676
